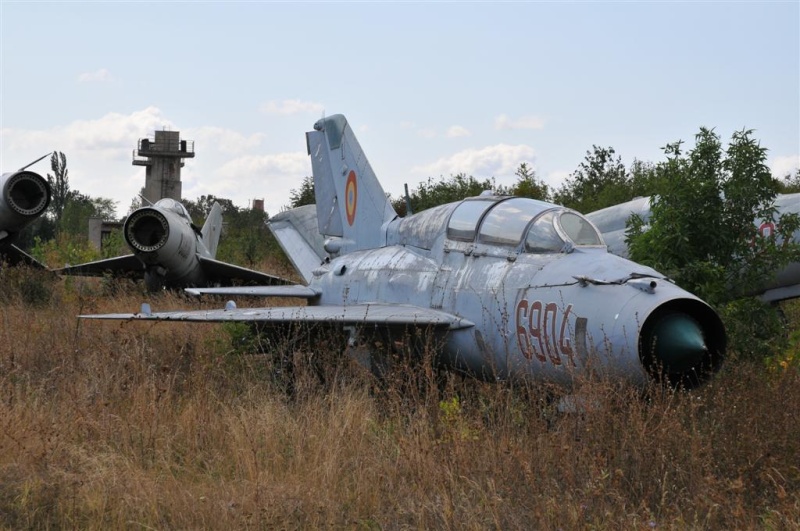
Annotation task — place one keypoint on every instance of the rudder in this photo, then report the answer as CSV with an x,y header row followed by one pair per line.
x,y
351,203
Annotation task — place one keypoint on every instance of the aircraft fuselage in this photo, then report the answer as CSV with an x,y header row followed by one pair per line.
x,y
533,318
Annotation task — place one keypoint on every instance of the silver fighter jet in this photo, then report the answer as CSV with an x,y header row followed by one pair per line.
x,y
169,251
513,288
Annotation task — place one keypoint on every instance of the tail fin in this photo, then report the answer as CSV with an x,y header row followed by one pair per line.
x,y
351,203
212,228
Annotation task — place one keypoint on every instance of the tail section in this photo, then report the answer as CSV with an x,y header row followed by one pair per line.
x,y
212,229
351,204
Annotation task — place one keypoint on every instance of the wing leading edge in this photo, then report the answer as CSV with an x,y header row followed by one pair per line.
x,y
357,314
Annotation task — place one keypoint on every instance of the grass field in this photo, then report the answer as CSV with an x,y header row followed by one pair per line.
x,y
174,426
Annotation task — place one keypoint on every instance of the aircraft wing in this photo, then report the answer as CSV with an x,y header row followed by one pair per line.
x,y
357,314
13,255
120,264
224,273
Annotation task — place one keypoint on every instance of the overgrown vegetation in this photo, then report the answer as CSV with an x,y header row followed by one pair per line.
x,y
167,425
702,233
110,425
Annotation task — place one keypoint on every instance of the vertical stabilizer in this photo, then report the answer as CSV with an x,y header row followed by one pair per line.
x,y
212,229
351,203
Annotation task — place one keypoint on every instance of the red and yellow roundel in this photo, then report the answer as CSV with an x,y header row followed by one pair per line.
x,y
351,197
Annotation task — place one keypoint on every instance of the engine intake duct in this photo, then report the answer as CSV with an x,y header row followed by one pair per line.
x,y
682,343
146,230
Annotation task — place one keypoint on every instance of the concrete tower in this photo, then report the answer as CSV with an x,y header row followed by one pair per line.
x,y
163,157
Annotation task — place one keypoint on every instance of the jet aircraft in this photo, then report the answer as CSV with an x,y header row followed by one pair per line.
x,y
169,251
24,196
612,221
512,288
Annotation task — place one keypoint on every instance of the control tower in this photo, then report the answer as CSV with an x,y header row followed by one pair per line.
x,y
163,157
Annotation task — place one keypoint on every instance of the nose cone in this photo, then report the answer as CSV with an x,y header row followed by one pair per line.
x,y
682,343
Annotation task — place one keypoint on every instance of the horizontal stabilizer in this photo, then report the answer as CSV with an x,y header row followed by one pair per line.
x,y
380,315
225,274
127,264
295,290
298,234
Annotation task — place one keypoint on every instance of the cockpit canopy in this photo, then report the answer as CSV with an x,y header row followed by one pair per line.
x,y
535,226
173,206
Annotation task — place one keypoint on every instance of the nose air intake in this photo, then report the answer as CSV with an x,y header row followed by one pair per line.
x,y
27,193
147,230
682,343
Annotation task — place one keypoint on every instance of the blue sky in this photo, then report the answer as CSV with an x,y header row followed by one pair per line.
x,y
431,89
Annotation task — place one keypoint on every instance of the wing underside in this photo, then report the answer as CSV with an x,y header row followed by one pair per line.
x,y
127,264
358,314
225,273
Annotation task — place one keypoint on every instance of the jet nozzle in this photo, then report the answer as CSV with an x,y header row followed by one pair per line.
x,y
146,230
27,193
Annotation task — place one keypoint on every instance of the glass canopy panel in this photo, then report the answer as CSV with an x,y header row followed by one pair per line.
x,y
506,222
579,230
173,206
464,220
543,237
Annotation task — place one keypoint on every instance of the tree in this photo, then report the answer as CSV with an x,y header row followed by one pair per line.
x,y
303,195
200,208
79,208
434,193
702,232
600,181
528,185
791,183
59,184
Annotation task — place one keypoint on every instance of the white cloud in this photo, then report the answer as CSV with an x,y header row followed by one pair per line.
x,y
224,140
498,161
271,177
556,179
523,122
783,166
290,107
106,136
99,75
456,131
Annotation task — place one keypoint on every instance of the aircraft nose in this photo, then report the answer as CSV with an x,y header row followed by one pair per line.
x,y
682,343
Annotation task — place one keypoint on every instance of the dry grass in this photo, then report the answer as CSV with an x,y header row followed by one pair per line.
x,y
114,425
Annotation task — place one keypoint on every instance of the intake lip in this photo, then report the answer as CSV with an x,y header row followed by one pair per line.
x,y
147,230
27,193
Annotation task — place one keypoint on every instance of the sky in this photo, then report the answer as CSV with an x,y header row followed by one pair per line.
x,y
430,89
